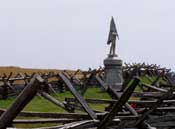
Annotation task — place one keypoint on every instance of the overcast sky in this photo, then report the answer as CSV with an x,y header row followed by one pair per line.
x,y
72,34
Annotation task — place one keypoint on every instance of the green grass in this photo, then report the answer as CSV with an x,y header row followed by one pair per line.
x,y
42,105
5,103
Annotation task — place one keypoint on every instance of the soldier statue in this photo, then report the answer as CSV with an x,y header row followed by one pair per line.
x,y
112,38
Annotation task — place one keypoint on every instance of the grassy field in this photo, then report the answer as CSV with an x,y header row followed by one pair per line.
x,y
42,105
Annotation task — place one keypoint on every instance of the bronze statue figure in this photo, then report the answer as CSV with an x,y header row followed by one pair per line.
x,y
112,38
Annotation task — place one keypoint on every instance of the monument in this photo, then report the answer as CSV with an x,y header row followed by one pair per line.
x,y
113,64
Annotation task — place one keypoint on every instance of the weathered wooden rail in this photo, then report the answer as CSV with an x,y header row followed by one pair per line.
x,y
155,99
12,86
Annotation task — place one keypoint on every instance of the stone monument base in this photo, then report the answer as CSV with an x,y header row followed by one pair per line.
x,y
113,72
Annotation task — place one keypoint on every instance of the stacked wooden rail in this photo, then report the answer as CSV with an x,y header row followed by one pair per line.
x,y
154,105
12,85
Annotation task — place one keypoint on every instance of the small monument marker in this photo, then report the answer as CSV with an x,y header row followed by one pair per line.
x,y
113,64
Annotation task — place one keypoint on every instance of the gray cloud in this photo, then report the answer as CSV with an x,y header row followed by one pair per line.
x,y
72,34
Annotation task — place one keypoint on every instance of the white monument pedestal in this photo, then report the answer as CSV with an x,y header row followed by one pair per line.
x,y
113,72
